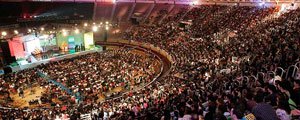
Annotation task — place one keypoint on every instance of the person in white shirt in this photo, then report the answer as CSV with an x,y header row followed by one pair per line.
x,y
105,116
283,111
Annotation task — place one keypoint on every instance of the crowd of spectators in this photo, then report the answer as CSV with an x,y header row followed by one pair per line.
x,y
214,48
94,76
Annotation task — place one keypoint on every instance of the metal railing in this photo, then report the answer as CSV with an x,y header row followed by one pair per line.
x,y
58,84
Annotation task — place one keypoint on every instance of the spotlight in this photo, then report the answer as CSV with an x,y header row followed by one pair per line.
x,y
46,36
16,32
95,28
42,29
29,30
3,33
76,31
106,22
262,3
106,28
194,3
65,33
85,24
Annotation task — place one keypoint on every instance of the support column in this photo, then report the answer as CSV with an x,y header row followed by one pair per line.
x,y
149,12
113,11
171,8
95,10
131,11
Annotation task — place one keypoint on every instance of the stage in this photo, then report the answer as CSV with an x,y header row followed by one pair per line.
x,y
30,50
33,61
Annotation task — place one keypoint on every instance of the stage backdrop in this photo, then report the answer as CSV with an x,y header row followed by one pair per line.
x,y
70,41
48,42
62,41
89,40
31,43
16,47
79,39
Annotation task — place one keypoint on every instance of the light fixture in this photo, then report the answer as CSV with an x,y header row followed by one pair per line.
x,y
4,33
16,32
65,33
29,30
85,24
106,22
45,36
95,28
262,3
42,29
106,27
76,31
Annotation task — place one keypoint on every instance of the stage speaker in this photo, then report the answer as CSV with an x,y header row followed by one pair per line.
x,y
7,58
105,36
181,25
6,52
7,70
13,59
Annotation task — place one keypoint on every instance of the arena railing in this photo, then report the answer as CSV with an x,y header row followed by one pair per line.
x,y
58,84
146,45
292,71
281,72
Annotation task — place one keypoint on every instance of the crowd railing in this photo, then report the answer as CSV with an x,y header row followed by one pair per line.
x,y
271,77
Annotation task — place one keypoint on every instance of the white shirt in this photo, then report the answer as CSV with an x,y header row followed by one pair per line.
x,y
282,114
186,117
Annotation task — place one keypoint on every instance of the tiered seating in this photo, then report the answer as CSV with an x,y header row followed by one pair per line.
x,y
222,62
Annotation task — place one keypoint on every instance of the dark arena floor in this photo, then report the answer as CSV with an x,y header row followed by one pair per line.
x,y
149,60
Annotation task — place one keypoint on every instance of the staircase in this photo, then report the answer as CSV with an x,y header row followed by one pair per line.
x,y
171,8
149,12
